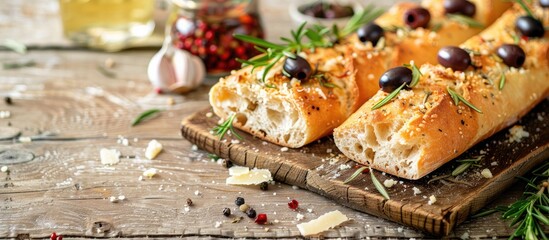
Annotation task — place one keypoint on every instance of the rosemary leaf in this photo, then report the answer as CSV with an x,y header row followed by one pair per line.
x,y
106,72
258,41
465,20
144,115
16,65
15,46
502,81
484,213
436,27
461,168
355,174
458,98
416,74
525,7
221,129
379,186
388,98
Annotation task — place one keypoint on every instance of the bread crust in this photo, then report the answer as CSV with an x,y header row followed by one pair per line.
x,y
290,113
409,138
420,45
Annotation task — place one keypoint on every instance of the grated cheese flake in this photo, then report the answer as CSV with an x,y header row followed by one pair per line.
x,y
325,222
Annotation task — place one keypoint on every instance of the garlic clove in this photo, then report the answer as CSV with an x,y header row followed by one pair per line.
x,y
189,71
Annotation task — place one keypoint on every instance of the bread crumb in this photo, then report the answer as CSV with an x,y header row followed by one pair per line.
x,y
153,149
432,200
494,163
209,114
486,173
517,133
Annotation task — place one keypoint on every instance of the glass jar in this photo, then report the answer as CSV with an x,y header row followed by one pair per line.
x,y
205,28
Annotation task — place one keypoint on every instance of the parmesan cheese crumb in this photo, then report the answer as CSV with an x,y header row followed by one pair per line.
x,y
109,156
517,133
416,191
486,173
150,173
432,200
389,183
284,149
209,114
153,149
344,167
299,217
218,224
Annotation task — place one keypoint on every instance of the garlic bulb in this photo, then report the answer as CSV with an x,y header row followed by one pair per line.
x,y
175,70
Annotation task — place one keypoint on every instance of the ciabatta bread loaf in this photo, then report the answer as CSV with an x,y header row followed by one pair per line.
x,y
400,44
288,112
422,128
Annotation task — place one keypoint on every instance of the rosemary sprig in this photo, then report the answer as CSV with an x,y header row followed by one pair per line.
x,y
355,174
15,46
145,115
302,38
378,185
465,20
226,126
525,7
458,98
530,212
502,81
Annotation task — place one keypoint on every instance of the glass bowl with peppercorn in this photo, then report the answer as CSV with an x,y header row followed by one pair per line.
x,y
323,12
205,28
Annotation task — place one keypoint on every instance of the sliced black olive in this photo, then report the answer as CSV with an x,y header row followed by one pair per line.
x,y
370,32
417,17
512,55
454,58
462,7
297,68
394,78
530,27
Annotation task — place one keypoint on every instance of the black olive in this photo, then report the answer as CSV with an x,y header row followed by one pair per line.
x,y
512,55
394,78
239,201
462,7
370,32
544,3
297,68
530,27
454,58
417,17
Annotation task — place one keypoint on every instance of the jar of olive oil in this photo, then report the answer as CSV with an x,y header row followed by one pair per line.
x,y
205,28
107,24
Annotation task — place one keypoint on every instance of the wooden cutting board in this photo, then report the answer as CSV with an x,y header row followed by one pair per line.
x,y
321,168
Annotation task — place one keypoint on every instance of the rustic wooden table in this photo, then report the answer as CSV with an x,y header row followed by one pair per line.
x,y
71,111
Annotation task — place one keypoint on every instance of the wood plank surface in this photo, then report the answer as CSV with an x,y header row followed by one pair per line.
x,y
321,168
71,111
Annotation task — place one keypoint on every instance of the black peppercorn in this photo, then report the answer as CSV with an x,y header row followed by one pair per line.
x,y
227,163
251,213
227,212
239,201
189,202
264,186
8,100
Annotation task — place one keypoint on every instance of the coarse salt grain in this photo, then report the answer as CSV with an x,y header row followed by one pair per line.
x,y
4,169
416,191
150,173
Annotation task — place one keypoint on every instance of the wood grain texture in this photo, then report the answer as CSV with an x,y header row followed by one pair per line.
x,y
319,167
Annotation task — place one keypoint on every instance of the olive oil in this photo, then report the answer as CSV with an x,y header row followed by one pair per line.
x,y
107,24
